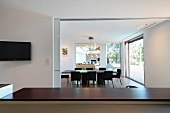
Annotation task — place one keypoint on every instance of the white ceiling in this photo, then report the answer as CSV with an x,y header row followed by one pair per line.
x,y
103,31
86,8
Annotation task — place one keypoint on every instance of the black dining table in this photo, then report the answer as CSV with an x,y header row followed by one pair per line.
x,y
84,72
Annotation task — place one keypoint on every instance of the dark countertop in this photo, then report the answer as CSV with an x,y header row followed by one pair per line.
x,y
90,94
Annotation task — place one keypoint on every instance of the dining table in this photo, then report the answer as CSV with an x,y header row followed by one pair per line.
x,y
84,72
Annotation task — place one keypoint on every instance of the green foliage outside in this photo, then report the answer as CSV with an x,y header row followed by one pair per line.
x,y
113,52
136,51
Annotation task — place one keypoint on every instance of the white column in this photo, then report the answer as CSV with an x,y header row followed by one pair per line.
x,y
103,55
123,57
56,54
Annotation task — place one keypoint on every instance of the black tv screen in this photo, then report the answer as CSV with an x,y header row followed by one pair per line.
x,y
13,51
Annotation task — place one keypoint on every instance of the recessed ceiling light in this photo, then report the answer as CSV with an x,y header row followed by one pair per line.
x,y
142,26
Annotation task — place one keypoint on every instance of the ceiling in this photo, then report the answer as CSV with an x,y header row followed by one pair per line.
x,y
86,8
104,31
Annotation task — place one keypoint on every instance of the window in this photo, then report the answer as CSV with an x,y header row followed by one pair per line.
x,y
135,63
85,55
113,56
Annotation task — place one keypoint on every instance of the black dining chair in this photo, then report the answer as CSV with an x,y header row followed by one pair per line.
x,y
102,68
78,68
99,75
75,76
118,75
131,87
89,68
107,76
66,77
91,75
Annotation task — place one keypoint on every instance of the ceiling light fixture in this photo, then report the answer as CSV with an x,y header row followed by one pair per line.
x,y
90,49
90,38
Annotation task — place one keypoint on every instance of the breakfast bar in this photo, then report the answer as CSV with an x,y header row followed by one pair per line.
x,y
86,100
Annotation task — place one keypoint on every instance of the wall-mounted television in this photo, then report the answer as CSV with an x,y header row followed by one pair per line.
x,y
15,51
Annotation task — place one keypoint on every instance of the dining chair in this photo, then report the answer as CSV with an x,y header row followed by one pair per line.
x,y
101,68
89,68
99,75
66,77
118,75
91,75
107,76
75,76
78,68
131,87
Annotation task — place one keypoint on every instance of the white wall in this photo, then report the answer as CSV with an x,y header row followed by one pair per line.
x,y
67,62
157,55
103,56
34,73
80,57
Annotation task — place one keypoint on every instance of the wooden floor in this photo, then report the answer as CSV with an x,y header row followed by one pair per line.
x,y
116,82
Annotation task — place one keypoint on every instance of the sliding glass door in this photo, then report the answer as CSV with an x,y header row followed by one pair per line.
x,y
136,60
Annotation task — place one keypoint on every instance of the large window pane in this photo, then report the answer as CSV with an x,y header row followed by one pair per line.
x,y
113,56
136,61
86,55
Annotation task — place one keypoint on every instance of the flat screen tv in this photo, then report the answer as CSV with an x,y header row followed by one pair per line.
x,y
15,51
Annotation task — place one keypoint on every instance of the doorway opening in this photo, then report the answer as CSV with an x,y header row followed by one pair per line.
x,y
105,30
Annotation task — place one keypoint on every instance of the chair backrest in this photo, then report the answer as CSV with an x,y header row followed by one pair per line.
x,y
107,75
131,87
102,68
64,76
91,75
118,73
75,75
78,68
89,68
